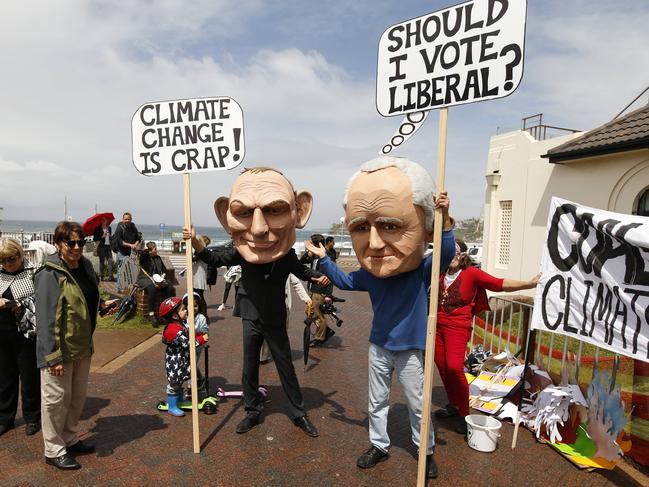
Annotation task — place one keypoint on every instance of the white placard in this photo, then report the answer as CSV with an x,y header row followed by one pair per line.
x,y
595,283
185,136
466,53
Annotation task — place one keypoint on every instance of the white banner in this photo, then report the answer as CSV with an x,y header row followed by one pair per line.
x,y
595,283
466,53
179,136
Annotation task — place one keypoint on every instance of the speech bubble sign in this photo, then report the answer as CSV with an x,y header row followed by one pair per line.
x,y
185,136
463,54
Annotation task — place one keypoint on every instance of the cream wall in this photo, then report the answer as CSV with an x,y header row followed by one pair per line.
x,y
516,172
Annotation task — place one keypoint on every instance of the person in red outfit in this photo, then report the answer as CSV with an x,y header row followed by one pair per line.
x,y
462,293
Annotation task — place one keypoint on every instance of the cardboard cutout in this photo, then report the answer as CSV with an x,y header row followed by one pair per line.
x,y
262,214
388,229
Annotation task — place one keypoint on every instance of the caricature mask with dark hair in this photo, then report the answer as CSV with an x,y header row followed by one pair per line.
x,y
262,214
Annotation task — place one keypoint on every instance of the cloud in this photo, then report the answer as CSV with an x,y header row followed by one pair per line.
x,y
305,77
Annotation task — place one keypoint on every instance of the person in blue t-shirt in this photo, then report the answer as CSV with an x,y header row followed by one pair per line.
x,y
389,206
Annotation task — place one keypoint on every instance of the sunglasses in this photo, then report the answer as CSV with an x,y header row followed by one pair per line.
x,y
9,260
75,243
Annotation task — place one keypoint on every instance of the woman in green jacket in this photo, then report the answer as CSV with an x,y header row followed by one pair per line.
x,y
67,302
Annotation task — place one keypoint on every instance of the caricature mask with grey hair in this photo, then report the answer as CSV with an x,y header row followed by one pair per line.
x,y
389,211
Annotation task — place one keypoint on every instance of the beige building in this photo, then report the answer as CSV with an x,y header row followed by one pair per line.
x,y
606,168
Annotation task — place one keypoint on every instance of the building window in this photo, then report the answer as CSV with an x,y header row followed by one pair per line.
x,y
505,232
643,204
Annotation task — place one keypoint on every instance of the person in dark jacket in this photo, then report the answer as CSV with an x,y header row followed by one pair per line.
x,y
150,278
67,302
127,238
17,343
102,236
261,214
318,293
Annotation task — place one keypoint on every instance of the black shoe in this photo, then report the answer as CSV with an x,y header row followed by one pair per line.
x,y
449,411
81,447
64,462
461,428
32,428
431,467
5,427
371,457
305,425
248,423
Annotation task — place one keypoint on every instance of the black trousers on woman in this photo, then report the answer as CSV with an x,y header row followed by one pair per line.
x,y
275,334
18,371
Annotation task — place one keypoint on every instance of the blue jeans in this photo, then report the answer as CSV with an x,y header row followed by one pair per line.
x,y
408,365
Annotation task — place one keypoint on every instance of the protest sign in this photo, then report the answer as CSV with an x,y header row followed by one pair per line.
x,y
466,53
462,54
595,283
178,136
181,137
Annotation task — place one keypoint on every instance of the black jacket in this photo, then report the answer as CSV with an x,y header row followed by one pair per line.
x,y
151,265
99,233
314,263
261,294
128,234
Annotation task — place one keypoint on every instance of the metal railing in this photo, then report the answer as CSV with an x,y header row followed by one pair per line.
x,y
506,313
536,128
25,237
551,351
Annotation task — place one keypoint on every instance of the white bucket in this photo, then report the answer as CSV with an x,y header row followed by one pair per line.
x,y
482,432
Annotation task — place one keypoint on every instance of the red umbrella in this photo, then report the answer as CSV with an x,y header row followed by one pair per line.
x,y
91,224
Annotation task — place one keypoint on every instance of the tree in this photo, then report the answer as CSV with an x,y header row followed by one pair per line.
x,y
336,228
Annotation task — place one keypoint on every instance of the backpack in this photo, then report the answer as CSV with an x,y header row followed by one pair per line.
x,y
115,239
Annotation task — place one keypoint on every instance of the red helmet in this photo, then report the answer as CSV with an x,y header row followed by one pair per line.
x,y
168,305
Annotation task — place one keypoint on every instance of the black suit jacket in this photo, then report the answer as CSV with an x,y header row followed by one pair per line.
x,y
151,265
262,286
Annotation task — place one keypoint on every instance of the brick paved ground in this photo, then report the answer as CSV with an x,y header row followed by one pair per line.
x,y
139,446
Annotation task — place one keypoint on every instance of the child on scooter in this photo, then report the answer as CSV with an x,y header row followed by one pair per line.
x,y
176,337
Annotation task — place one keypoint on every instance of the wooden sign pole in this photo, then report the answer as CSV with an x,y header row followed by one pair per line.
x,y
190,318
531,335
432,310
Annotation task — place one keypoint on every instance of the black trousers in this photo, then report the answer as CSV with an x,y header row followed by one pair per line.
x,y
254,333
167,292
105,255
18,369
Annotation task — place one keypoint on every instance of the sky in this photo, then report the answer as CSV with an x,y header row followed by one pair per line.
x,y
304,72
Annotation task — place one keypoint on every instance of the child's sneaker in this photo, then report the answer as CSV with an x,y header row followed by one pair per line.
x,y
221,307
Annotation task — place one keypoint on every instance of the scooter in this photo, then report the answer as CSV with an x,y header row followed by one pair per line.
x,y
221,393
207,404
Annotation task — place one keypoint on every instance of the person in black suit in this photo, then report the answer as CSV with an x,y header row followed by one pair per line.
x,y
261,215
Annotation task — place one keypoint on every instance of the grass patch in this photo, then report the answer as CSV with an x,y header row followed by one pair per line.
x,y
131,322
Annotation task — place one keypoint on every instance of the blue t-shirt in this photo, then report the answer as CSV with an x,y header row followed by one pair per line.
x,y
399,303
